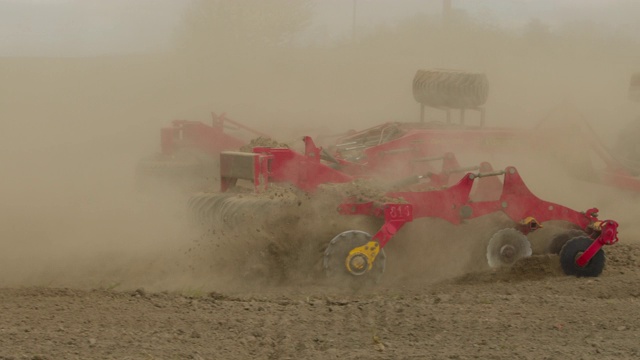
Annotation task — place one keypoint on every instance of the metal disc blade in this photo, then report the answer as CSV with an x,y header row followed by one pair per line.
x,y
506,247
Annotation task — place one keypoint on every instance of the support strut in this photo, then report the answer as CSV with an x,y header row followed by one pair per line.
x,y
608,236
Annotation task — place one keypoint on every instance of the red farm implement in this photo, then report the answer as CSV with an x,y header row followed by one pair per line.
x,y
189,151
436,192
405,158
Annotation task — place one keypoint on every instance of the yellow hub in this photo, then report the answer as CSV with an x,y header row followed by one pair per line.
x,y
360,259
597,225
531,223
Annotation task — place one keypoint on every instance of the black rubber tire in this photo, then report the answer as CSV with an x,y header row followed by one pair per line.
x,y
558,241
450,89
570,252
336,254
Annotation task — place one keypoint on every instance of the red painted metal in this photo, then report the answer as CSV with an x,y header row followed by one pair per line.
x,y
455,204
394,150
433,199
396,215
390,150
608,236
515,200
207,139
306,172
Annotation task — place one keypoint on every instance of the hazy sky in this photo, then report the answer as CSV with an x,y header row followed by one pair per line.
x,y
91,27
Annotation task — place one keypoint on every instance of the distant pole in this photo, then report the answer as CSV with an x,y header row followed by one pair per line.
x,y
353,21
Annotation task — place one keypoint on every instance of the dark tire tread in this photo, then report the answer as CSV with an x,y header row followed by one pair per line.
x,y
450,89
570,252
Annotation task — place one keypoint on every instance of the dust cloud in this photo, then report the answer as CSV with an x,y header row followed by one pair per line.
x,y
74,128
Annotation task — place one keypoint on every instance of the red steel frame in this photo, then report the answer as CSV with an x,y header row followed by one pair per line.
x,y
393,157
388,156
209,139
454,204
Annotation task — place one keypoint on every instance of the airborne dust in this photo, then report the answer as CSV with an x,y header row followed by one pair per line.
x,y
74,128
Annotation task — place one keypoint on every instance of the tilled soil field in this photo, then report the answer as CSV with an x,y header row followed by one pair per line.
x,y
530,311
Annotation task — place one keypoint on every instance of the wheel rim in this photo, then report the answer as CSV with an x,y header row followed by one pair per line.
x,y
339,264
